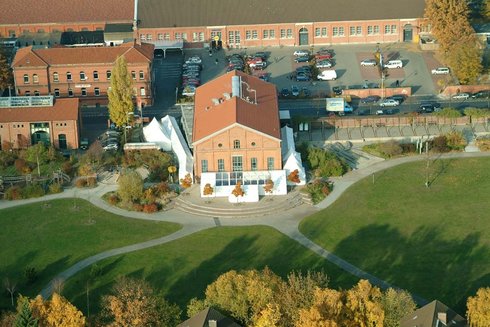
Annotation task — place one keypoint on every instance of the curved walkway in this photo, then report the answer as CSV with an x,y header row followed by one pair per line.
x,y
287,222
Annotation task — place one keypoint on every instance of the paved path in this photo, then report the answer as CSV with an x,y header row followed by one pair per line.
x,y
285,222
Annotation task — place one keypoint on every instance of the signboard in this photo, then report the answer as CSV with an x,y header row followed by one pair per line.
x,y
335,104
34,101
79,86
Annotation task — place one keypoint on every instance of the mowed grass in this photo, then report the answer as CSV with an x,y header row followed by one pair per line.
x,y
182,269
51,236
433,241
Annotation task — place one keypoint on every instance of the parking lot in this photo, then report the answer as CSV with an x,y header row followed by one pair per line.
x,y
347,58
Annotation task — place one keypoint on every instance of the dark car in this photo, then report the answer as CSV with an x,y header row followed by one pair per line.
x,y
429,106
302,77
485,94
302,59
370,99
363,112
285,92
398,97
261,55
303,69
337,90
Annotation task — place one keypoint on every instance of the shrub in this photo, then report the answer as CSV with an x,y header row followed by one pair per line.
x,y
455,140
33,191
150,208
318,190
390,149
138,207
7,158
55,188
81,182
325,163
408,148
20,165
113,199
483,144
86,169
161,189
130,186
91,181
439,144
14,193
67,167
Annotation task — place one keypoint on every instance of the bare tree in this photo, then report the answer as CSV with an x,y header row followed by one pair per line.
x,y
11,287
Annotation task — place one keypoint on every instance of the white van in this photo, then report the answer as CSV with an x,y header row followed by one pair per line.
x,y
394,64
327,75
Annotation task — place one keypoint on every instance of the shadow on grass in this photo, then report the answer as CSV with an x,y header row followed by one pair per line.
x,y
426,263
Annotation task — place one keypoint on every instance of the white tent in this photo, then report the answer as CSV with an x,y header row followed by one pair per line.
x,y
167,135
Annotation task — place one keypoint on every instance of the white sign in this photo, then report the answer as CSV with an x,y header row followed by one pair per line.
x,y
79,86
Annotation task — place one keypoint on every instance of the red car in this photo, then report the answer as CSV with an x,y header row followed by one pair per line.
x,y
323,56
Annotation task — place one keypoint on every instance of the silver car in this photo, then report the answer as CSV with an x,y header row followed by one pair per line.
x,y
368,62
389,103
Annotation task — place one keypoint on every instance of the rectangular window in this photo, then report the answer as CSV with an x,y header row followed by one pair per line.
x,y
237,164
26,79
324,31
97,91
84,92
237,37
142,74
341,31
248,35
265,34
255,35
272,34
393,29
184,36
318,32
370,30
352,30
149,37
82,76
335,31
143,37
70,92
290,33
236,144
270,163
376,29
178,36
166,36
231,37
133,74
68,76
27,93
142,91
195,37
201,36
283,33
359,30
160,36
56,77
56,92
204,166
108,74
253,164
35,79
387,29
36,93
221,165
96,75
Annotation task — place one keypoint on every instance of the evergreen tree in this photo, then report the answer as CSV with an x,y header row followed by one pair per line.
x,y
120,93
24,317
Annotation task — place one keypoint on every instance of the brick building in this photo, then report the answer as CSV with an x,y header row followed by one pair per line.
x,y
281,22
236,133
28,120
82,72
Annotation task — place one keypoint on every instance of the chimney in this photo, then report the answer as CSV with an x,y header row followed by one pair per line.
x,y
442,316
235,86
212,323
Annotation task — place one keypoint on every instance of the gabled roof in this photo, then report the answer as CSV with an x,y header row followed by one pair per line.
x,y
211,117
434,314
171,13
202,319
63,11
62,109
134,53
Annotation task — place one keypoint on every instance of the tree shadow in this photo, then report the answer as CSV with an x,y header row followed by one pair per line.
x,y
426,263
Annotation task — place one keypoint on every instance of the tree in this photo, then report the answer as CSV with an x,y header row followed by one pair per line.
x,y
396,304
268,317
24,316
478,308
326,311
133,302
57,312
7,319
11,287
363,302
120,93
465,60
130,186
486,9
37,154
6,77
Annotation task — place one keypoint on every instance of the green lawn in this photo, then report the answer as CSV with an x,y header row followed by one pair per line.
x,y
183,268
51,236
432,241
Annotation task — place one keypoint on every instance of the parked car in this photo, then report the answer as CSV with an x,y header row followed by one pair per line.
x,y
323,56
189,91
485,94
301,53
370,99
193,60
389,103
363,112
261,55
326,50
324,64
368,62
461,96
285,92
303,77
302,59
440,71
303,69
294,91
337,90
111,146
398,97
327,75
394,64
429,106
258,65
380,112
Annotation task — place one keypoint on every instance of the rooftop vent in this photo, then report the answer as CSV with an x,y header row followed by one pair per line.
x,y
215,101
212,323
227,96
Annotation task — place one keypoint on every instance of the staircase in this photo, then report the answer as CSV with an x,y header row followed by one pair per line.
x,y
221,208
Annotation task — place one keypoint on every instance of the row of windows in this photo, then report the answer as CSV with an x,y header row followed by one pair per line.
x,y
83,92
41,30
83,76
237,164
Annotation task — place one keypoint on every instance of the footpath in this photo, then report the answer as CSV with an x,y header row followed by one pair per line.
x,y
286,222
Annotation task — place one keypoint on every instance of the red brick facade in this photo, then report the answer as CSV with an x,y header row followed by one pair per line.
x,y
48,72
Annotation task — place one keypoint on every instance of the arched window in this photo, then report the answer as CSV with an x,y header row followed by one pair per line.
x,y
26,79
35,79
108,74
83,77
68,76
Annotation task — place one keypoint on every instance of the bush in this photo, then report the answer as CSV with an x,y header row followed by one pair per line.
x,y
33,191
483,144
91,181
455,140
7,158
67,167
161,189
14,193
325,163
318,190
113,199
55,188
150,208
130,186
439,144
20,165
390,149
81,182
137,207
408,148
